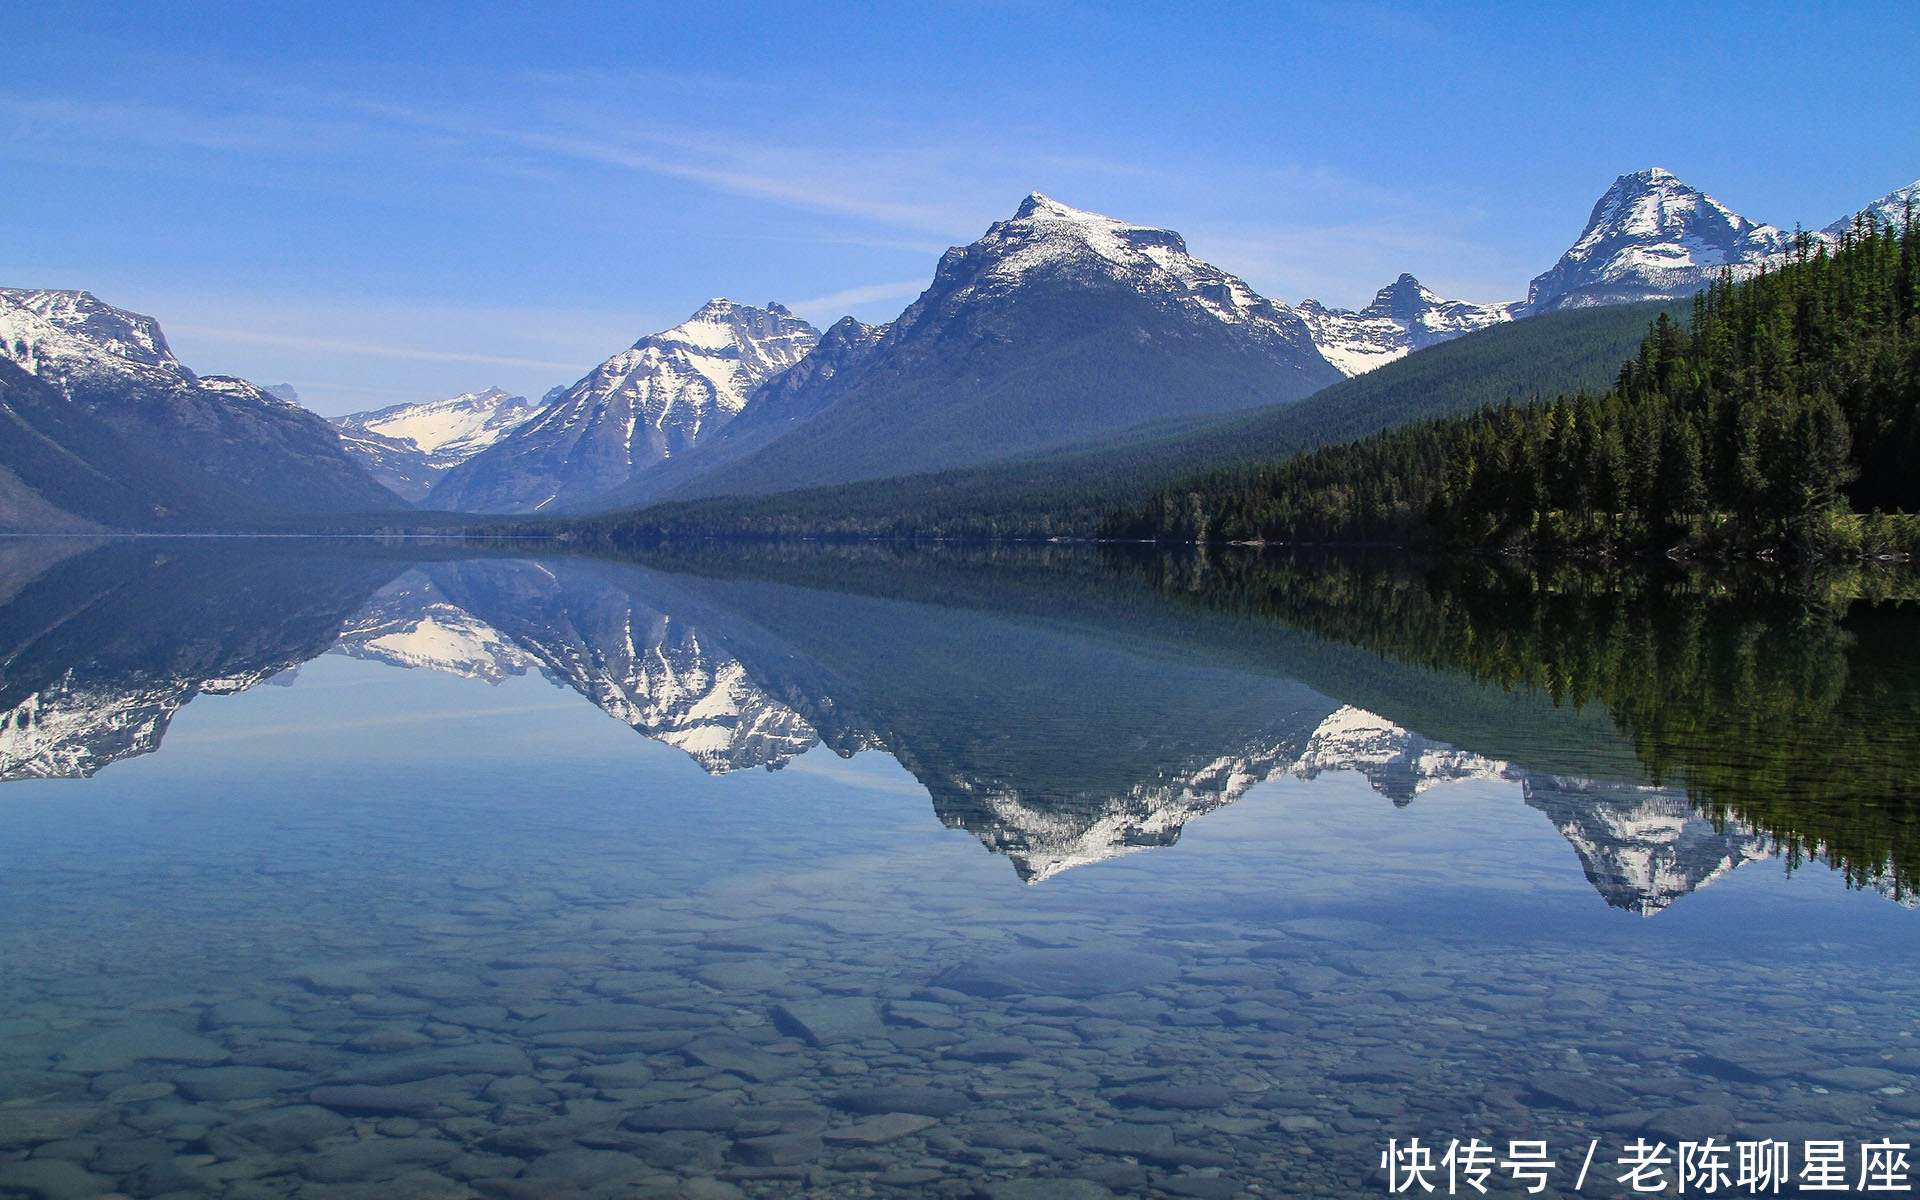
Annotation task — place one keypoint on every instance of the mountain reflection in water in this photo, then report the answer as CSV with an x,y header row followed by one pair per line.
x,y
1060,710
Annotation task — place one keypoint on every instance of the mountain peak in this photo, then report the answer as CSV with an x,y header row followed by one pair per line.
x,y
1652,236
1043,209
1891,209
1404,316
71,330
653,401
1405,288
1040,202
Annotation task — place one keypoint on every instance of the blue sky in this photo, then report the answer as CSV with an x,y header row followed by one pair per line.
x,y
386,203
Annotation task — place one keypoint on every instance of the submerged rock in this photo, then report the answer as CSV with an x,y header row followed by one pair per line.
x,y
829,1019
52,1179
277,1131
22,1127
925,1101
1074,973
485,1058
118,1049
878,1131
234,1083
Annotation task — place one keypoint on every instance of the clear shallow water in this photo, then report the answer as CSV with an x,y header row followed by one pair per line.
x,y
448,929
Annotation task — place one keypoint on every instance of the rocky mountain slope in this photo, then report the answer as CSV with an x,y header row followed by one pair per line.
x,y
1405,316
174,446
776,407
408,447
1895,208
658,399
1058,324
1652,237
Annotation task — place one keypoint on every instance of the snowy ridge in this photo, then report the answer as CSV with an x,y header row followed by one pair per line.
x,y
1405,316
688,379
60,335
1653,237
1891,209
1048,239
70,731
240,391
218,443
409,447
1043,840
443,638
661,678
642,668
659,398
409,624
448,431
1399,763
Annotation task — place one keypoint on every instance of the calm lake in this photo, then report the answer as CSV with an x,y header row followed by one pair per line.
x,y
359,870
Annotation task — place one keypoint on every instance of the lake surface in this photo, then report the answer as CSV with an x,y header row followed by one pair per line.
x,y
348,870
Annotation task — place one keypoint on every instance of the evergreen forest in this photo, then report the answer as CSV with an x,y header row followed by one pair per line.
x,y
1782,418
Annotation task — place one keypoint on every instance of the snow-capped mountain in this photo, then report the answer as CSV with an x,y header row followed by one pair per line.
x,y
1057,324
62,336
125,636
1405,316
1653,237
1043,839
452,430
776,407
655,672
109,643
1642,847
1890,209
1049,242
191,446
75,727
409,446
655,400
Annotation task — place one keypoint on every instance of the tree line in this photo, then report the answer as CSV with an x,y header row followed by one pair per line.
x,y
1782,417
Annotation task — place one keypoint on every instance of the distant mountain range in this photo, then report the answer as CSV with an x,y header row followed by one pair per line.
x,y
1060,325
1057,326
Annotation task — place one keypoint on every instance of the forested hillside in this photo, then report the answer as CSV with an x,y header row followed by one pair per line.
x,y
1781,417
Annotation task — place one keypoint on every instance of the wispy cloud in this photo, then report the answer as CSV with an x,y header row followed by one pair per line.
x,y
365,349
836,304
938,187
941,188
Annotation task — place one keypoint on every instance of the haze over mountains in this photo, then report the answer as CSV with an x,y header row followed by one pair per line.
x,y
1057,326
